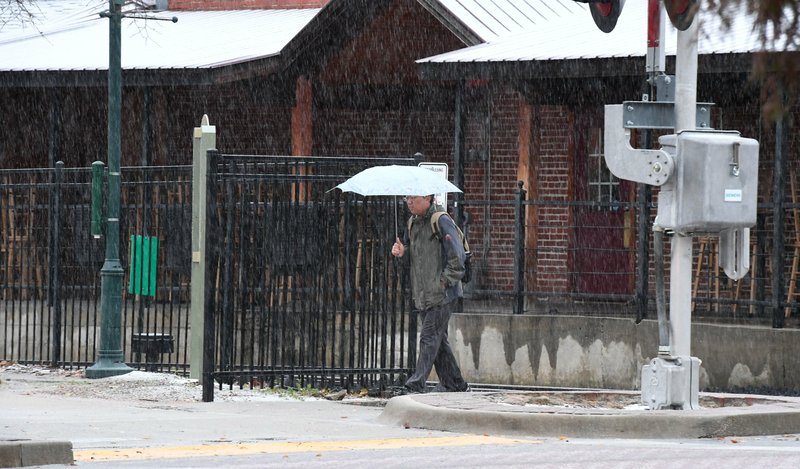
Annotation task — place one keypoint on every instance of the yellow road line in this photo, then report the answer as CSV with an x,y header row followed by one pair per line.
x,y
225,449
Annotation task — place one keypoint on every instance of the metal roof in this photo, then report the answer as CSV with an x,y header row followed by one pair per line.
x,y
491,19
575,36
70,35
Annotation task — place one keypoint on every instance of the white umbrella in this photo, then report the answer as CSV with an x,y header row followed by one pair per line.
x,y
397,180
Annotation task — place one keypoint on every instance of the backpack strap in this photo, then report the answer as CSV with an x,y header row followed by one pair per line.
x,y
436,232
435,216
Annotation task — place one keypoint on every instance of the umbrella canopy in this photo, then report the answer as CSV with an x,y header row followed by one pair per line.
x,y
397,180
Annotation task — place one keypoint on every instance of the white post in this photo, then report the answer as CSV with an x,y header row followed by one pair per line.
x,y
680,290
205,138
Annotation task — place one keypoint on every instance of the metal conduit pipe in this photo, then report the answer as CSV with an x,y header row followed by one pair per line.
x,y
661,310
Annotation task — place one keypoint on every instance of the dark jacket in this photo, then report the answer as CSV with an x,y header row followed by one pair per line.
x,y
436,266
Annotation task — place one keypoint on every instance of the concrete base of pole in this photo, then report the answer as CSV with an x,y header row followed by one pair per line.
x,y
107,367
671,383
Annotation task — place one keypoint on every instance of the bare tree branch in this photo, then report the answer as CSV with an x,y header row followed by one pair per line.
x,y
777,65
16,11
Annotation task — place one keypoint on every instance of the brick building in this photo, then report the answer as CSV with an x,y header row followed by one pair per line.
x,y
348,83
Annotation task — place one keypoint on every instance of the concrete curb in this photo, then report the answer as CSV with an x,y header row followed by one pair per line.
x,y
423,411
35,453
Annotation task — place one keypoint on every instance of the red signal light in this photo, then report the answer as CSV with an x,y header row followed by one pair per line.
x,y
605,13
681,12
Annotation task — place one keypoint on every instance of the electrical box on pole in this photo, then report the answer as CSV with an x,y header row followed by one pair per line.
x,y
715,183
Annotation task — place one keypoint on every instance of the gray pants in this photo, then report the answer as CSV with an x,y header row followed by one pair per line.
x,y
434,350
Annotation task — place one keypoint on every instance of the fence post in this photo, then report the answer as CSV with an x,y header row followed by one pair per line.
x,y
54,293
519,251
760,267
204,139
211,255
778,224
226,243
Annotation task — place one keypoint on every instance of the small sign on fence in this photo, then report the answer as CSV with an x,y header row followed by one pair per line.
x,y
144,257
440,168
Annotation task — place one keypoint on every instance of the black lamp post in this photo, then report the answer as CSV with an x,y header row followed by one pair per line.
x,y
110,360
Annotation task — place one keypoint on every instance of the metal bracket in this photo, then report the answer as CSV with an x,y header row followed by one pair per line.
x,y
652,167
659,115
665,88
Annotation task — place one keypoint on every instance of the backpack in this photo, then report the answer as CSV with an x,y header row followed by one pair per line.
x,y
467,253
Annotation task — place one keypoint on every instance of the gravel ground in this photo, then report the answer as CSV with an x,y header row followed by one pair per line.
x,y
166,387
136,386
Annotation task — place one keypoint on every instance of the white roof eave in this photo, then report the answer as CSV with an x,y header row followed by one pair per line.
x,y
577,37
199,40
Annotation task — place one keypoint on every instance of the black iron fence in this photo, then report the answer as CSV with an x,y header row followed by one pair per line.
x,y
300,287
303,289
50,264
596,259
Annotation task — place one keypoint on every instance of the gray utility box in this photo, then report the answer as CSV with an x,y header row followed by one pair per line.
x,y
714,185
671,383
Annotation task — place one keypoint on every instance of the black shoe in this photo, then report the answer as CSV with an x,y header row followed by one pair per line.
x,y
401,391
441,388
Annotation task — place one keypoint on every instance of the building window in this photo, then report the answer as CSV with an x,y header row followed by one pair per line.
x,y
602,186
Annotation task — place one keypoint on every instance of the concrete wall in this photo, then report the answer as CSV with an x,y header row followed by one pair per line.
x,y
609,353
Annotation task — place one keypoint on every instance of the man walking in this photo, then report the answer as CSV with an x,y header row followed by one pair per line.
x,y
437,266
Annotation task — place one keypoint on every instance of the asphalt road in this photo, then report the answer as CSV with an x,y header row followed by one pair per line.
x,y
143,421
448,450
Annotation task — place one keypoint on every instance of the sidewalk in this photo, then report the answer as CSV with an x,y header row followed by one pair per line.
x,y
42,410
594,414
51,416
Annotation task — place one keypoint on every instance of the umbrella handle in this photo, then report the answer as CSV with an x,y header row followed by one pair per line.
x,y
395,218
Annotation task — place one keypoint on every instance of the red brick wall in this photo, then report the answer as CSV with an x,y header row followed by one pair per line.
x,y
403,133
248,120
380,62
383,133
20,139
494,245
492,226
244,4
387,49
398,132
554,232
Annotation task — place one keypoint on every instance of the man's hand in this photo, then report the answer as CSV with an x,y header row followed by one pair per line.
x,y
398,249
